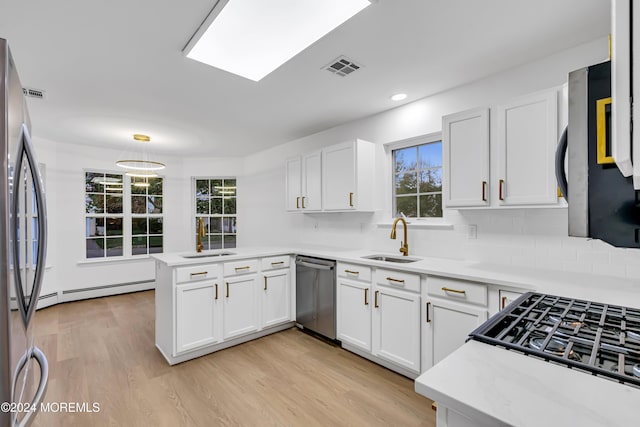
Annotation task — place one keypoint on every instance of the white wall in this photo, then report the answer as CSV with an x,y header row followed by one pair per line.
x,y
525,237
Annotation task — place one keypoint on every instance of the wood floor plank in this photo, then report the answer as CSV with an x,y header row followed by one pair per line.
x,y
103,350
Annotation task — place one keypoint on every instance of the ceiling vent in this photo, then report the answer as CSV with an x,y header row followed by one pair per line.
x,y
33,93
342,66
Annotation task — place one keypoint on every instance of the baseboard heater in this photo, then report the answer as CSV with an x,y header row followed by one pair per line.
x,y
116,285
41,297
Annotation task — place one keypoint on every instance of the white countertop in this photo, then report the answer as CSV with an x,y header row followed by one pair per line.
x,y
591,287
523,391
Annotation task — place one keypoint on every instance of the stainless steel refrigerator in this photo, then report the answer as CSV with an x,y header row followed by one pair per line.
x,y
23,246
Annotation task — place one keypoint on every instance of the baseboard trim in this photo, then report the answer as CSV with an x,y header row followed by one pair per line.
x,y
106,290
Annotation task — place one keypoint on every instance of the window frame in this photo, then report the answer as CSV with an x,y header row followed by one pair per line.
x,y
390,181
195,214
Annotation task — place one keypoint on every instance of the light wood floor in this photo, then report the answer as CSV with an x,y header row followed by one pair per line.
x,y
103,351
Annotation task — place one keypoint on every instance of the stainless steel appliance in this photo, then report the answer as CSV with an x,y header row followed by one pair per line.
x,y
602,202
316,295
23,237
599,339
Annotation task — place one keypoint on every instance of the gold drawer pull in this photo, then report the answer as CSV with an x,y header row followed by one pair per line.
x,y
277,263
297,202
391,279
455,291
216,291
350,200
199,274
375,299
366,296
351,272
243,268
303,206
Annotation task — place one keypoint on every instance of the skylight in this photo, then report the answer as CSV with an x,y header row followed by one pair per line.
x,y
251,38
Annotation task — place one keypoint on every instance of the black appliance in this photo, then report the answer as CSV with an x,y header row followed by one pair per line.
x,y
590,337
602,202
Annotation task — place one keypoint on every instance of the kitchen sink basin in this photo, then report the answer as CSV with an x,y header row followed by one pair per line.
x,y
217,254
388,258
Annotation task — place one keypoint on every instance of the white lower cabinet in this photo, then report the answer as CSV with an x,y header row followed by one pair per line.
x,y
198,315
354,313
240,306
396,327
276,301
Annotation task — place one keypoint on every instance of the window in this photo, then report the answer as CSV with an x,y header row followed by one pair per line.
x,y
216,205
417,180
122,217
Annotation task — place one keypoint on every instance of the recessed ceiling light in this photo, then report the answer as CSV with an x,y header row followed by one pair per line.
x,y
251,38
399,97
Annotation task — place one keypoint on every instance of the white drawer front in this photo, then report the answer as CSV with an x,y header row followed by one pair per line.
x,y
354,271
457,290
240,267
196,272
398,279
271,263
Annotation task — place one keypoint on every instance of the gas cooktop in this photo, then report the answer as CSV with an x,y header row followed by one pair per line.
x,y
600,339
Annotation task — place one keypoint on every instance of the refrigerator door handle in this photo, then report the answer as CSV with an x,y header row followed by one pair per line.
x,y
561,173
26,149
37,354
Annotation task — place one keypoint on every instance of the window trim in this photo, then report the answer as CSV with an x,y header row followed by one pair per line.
x,y
194,213
442,222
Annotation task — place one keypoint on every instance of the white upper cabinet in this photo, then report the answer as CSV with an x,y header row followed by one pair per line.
x,y
303,183
293,171
347,176
527,139
465,150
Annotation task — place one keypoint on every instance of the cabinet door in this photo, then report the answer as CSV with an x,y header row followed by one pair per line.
x,y
507,297
527,139
197,315
276,303
312,182
293,171
354,313
240,306
465,150
396,327
449,325
339,177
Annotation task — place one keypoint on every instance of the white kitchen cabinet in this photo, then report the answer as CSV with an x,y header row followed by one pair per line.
x,y
507,297
304,183
354,313
526,144
276,300
396,327
198,315
465,150
240,305
348,176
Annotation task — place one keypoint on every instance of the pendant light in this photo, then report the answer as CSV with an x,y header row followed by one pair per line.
x,y
139,165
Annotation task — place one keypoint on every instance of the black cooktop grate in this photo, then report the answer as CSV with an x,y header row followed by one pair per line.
x,y
601,339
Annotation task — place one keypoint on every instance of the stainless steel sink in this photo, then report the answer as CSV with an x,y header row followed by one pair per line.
x,y
388,258
208,255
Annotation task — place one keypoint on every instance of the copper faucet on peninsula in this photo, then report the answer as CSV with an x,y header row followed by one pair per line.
x,y
201,234
404,248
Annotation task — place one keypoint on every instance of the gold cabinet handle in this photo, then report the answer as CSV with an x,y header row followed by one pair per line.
x,y
273,264
303,202
455,291
366,296
391,279
375,299
503,303
216,291
265,283
484,191
501,189
227,290
352,272
199,274
246,267
427,310
351,200
297,202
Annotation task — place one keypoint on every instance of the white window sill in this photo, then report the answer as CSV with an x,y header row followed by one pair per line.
x,y
113,260
420,224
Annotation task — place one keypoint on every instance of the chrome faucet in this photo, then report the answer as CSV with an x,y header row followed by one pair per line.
x,y
404,245
201,233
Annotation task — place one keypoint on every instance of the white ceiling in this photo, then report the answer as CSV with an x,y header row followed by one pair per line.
x,y
114,68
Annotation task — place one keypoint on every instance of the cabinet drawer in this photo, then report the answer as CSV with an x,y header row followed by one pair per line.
x,y
240,267
398,279
273,262
354,271
196,272
457,290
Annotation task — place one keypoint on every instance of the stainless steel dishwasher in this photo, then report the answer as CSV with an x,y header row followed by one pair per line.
x,y
316,295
